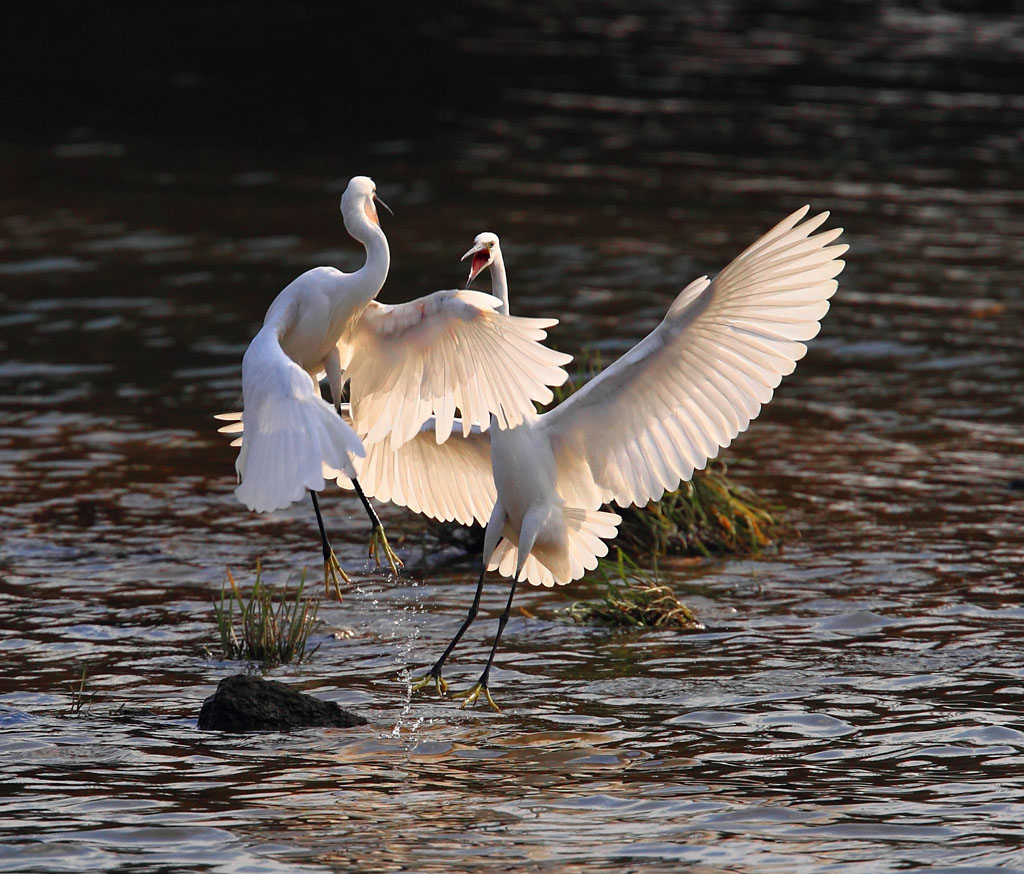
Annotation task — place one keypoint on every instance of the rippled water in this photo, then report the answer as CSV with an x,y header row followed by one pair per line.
x,y
854,702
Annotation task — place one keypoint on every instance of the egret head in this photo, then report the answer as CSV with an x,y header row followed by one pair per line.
x,y
485,250
361,197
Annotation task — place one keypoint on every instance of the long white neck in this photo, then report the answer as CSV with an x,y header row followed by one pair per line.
x,y
499,282
372,274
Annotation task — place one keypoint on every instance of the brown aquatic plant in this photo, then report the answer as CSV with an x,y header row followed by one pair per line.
x,y
268,633
710,514
634,598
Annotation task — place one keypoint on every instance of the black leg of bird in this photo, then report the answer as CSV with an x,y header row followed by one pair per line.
x,y
473,609
374,518
332,569
502,622
434,674
324,542
378,539
480,687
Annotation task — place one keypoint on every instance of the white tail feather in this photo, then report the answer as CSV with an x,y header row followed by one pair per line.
x,y
586,532
292,436
290,451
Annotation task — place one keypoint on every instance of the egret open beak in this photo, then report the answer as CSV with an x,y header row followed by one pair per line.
x,y
481,258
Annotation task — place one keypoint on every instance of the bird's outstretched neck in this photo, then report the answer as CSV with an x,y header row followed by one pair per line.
x,y
378,256
359,210
499,281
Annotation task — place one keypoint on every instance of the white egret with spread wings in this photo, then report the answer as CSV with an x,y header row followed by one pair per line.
x,y
638,429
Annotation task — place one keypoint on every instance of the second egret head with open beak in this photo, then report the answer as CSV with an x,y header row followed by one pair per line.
x,y
484,249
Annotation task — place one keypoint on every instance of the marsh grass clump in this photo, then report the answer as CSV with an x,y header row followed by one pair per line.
x,y
711,514
633,598
268,633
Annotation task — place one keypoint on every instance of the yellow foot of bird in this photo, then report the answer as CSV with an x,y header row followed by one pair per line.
x,y
332,571
439,682
379,541
473,693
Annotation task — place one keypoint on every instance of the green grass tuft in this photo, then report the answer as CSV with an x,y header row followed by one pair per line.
x,y
269,634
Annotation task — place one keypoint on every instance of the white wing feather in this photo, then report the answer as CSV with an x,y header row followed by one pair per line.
x,y
448,481
444,351
292,436
669,404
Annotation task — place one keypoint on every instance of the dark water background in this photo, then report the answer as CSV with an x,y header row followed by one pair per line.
x,y
857,700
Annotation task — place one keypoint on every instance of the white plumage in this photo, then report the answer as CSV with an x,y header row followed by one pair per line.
x,y
685,391
294,439
449,481
404,363
644,424
450,350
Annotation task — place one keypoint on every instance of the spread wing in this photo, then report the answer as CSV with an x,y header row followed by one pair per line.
x,y
697,380
446,351
448,481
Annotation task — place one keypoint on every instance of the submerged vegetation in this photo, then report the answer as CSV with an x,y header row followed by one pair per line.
x,y
634,597
269,634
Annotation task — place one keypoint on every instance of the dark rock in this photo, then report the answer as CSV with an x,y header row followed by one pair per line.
x,y
248,703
